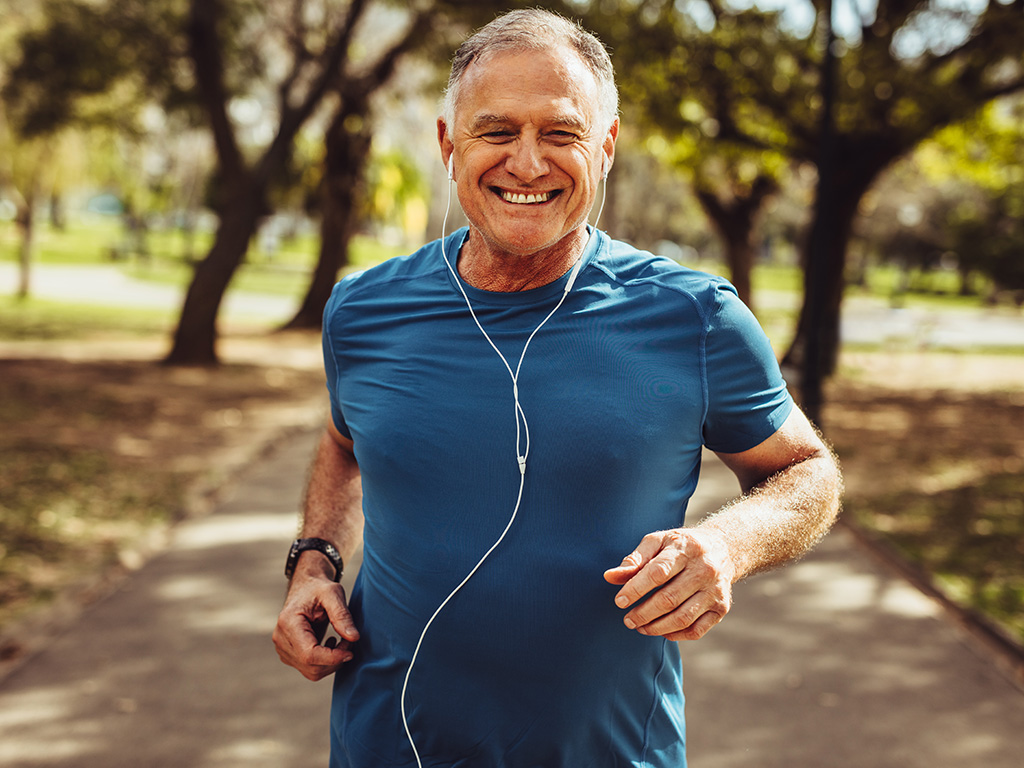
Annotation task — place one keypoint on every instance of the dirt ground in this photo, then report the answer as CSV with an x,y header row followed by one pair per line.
x,y
932,447
924,421
103,448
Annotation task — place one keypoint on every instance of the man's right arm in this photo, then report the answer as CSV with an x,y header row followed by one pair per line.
x,y
332,511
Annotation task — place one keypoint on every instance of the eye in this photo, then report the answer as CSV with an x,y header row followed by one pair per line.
x,y
562,137
498,137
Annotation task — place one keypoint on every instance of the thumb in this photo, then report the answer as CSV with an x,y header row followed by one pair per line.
x,y
337,612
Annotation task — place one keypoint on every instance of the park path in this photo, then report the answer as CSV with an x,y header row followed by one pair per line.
x,y
110,285
834,661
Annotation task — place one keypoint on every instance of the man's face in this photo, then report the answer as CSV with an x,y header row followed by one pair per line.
x,y
528,147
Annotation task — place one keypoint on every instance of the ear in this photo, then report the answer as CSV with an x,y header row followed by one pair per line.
x,y
608,147
447,147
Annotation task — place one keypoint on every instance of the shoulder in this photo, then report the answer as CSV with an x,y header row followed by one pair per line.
x,y
632,268
398,274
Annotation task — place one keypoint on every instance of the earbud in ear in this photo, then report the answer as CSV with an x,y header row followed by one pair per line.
x,y
604,168
451,166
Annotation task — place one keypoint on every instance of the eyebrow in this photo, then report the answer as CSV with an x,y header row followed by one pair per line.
x,y
568,121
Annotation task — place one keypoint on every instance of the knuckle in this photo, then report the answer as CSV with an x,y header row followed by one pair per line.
x,y
676,535
687,616
661,571
662,602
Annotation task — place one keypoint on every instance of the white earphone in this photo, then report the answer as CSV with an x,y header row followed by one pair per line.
x,y
451,166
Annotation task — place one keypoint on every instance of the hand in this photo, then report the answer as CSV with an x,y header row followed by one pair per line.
x,y
312,602
686,575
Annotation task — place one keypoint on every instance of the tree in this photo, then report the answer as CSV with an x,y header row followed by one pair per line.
x,y
915,67
348,138
347,143
988,155
731,184
61,59
317,48
958,200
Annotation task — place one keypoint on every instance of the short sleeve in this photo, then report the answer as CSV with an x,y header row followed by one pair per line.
x,y
747,396
331,368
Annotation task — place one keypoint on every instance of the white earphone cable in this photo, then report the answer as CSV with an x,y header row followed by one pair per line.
x,y
522,435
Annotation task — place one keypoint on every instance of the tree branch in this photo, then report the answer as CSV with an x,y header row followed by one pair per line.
x,y
295,37
381,71
205,50
292,117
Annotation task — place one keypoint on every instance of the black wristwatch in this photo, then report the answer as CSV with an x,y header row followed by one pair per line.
x,y
320,545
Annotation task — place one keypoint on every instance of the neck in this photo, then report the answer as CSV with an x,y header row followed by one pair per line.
x,y
492,269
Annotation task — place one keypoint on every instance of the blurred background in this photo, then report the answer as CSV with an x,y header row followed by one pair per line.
x,y
182,183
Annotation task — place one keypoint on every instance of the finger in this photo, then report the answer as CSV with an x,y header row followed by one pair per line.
x,y
620,574
671,609
699,628
297,634
632,563
330,659
655,573
302,651
337,611
330,606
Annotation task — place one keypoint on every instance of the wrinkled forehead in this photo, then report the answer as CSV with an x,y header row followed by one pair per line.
x,y
557,72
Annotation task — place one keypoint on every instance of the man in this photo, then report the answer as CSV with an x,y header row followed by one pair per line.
x,y
513,409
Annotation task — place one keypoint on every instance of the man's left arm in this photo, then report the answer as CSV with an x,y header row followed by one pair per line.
x,y
678,583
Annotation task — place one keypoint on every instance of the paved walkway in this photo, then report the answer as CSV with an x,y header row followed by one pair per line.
x,y
110,285
830,662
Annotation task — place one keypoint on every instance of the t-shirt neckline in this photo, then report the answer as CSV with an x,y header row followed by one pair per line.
x,y
453,247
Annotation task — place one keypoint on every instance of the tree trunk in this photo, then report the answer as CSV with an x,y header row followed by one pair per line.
x,y
196,336
735,221
26,223
855,169
348,142
739,256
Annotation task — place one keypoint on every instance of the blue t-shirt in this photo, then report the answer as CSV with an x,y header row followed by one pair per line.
x,y
529,665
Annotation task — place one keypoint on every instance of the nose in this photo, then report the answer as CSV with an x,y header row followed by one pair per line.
x,y
526,160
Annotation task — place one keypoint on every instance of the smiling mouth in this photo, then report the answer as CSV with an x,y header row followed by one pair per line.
x,y
519,198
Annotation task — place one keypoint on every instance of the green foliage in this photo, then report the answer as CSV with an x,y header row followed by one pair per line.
x,y
90,63
397,190
959,199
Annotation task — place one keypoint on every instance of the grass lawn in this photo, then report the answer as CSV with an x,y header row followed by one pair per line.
x,y
39,319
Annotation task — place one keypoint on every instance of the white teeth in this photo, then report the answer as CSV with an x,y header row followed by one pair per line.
x,y
521,199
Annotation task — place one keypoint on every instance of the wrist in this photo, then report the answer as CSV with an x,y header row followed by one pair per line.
x,y
314,564
721,550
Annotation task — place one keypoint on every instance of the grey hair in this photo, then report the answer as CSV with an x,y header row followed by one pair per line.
x,y
535,29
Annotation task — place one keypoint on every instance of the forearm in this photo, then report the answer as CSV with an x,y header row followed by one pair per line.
x,y
782,517
332,508
678,583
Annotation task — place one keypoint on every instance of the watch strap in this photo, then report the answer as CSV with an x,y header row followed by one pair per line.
x,y
320,545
